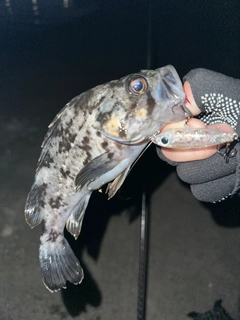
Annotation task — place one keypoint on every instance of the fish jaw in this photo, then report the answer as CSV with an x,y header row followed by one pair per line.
x,y
173,84
167,100
169,97
134,118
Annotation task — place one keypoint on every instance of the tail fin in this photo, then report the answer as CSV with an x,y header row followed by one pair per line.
x,y
58,264
33,205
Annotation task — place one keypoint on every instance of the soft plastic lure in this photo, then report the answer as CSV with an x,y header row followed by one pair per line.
x,y
186,138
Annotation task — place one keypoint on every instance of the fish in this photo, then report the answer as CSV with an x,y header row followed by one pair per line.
x,y
186,138
94,140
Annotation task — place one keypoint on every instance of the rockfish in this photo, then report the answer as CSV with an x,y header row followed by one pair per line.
x,y
92,141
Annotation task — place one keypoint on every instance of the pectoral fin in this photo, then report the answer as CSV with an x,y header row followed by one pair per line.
x,y
95,169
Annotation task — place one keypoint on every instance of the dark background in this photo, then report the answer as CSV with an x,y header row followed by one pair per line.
x,y
51,54
51,51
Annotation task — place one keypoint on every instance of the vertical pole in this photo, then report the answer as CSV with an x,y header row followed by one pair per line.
x,y
143,259
144,221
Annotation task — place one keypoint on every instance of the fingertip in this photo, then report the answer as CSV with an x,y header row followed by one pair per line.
x,y
190,101
191,123
221,127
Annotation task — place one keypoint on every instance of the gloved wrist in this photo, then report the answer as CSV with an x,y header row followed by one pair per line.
x,y
216,95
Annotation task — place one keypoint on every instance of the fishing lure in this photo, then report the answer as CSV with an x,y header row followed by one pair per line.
x,y
186,138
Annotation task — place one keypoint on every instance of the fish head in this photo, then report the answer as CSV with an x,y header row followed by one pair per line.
x,y
140,104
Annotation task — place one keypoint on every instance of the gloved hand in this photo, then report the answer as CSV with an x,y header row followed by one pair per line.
x,y
218,98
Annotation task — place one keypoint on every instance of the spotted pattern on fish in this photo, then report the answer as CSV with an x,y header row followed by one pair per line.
x,y
92,141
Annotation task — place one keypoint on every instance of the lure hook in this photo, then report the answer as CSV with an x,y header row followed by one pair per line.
x,y
230,150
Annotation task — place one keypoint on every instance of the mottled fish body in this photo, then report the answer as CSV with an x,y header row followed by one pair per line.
x,y
94,140
186,138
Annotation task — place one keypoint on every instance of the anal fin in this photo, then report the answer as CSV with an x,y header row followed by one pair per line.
x,y
33,206
74,222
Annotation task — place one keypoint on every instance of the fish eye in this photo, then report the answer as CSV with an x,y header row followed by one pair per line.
x,y
164,140
137,85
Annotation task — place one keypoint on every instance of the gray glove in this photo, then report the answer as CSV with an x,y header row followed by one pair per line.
x,y
218,97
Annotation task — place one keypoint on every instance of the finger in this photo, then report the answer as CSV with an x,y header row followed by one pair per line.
x,y
210,169
190,101
196,123
192,123
219,189
178,155
221,126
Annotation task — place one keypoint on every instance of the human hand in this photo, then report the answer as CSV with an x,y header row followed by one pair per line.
x,y
197,153
217,98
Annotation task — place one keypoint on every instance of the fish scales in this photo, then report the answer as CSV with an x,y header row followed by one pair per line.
x,y
92,141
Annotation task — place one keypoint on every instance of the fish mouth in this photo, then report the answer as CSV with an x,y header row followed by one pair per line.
x,y
136,140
